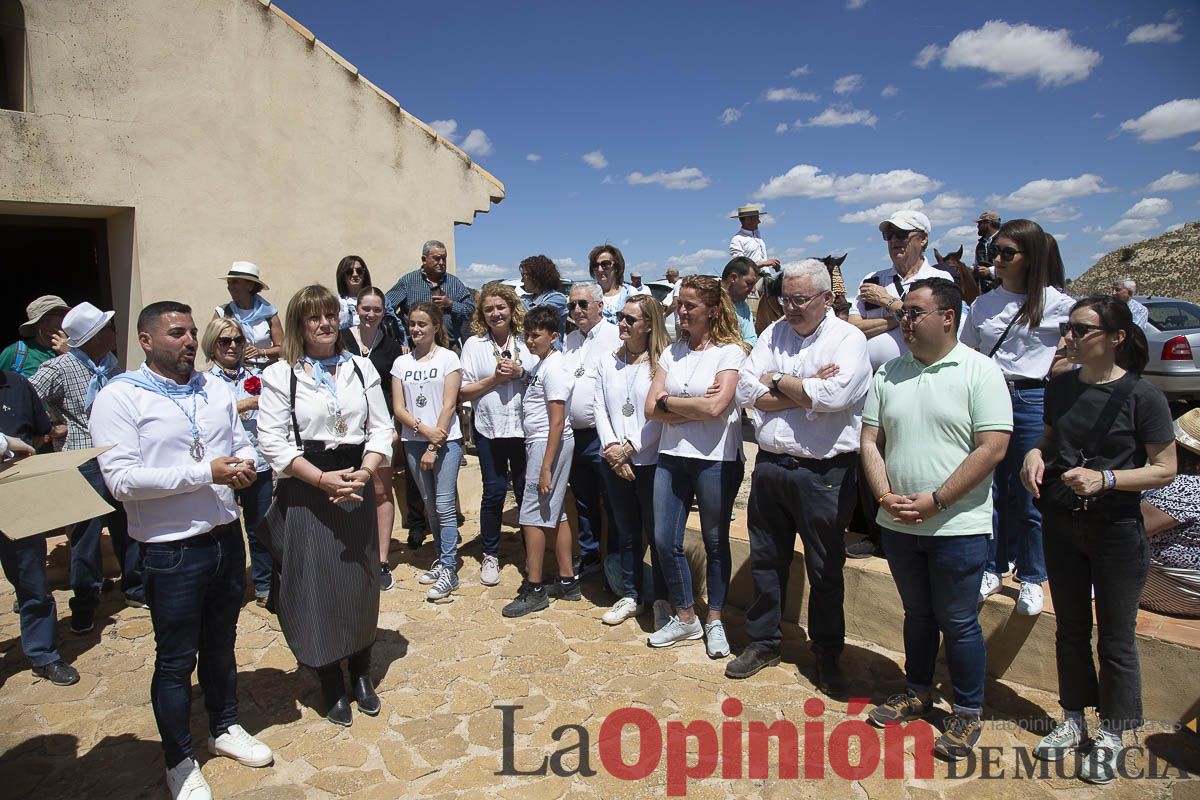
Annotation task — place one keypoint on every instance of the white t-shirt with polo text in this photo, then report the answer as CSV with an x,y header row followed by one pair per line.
x,y
424,386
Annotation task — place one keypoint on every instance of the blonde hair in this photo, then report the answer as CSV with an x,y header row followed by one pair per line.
x,y
724,328
441,338
217,326
314,299
659,339
479,325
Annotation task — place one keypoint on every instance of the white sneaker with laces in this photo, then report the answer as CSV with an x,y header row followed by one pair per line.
x,y
489,572
662,614
715,641
676,631
622,610
1055,744
430,576
185,782
243,748
1029,601
989,585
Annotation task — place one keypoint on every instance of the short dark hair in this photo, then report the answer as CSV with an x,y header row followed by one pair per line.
x,y
543,318
542,271
151,314
945,292
739,265
618,261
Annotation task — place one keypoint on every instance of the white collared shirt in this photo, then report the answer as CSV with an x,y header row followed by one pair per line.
x,y
1024,353
168,495
886,346
497,411
583,355
316,411
622,387
749,244
833,424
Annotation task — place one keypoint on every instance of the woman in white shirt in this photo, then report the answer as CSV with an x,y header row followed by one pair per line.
x,y
606,265
324,428
259,320
1016,325
629,443
495,363
700,454
425,398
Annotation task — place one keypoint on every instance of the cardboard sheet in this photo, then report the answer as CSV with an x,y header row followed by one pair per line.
x,y
45,492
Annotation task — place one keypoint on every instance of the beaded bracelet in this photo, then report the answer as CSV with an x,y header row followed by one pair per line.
x,y
1109,479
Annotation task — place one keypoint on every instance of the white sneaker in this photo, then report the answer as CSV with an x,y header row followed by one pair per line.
x,y
989,585
662,614
185,782
489,572
624,608
243,748
676,631
430,576
1029,601
715,641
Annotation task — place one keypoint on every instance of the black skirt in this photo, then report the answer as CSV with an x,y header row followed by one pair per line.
x,y
326,584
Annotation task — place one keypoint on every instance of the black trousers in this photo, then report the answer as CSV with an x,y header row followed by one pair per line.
x,y
815,499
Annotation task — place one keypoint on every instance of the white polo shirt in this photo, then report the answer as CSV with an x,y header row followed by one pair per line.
x,y
886,346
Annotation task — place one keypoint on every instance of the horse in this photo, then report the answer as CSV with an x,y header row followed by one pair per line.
x,y
964,276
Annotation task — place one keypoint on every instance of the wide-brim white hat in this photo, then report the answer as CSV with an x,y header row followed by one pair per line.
x,y
83,322
246,271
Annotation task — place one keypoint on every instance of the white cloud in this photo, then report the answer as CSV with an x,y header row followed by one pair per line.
x,y
1166,121
813,238
1044,192
1153,34
889,91
445,128
1063,212
798,71
1059,237
1014,52
479,274
730,115
789,93
565,263
962,234
1173,228
1098,115
595,159
1127,231
477,144
698,258
944,209
1195,147
847,84
781,127
854,5
533,157
685,178
805,180
1149,208
840,116
1175,181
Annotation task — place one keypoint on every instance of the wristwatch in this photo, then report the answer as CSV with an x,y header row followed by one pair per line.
x,y
775,379
937,501
661,404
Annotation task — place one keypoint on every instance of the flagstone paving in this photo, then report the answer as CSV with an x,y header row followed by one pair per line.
x,y
442,670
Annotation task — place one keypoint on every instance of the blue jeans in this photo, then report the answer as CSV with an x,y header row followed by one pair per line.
x,y
1016,523
587,484
633,517
194,588
255,499
938,579
714,485
438,490
502,461
87,567
24,562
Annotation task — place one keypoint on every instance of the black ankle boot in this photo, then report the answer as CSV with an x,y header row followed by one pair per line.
x,y
364,695
337,702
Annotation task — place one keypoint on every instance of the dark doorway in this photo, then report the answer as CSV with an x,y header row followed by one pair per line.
x,y
51,255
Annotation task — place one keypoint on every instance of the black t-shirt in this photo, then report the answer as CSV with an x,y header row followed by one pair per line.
x,y
382,358
21,411
1072,408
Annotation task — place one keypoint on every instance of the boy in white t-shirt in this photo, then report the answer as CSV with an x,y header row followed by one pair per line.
x,y
549,445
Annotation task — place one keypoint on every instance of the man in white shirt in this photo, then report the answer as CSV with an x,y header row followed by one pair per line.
x,y
1123,290
178,453
636,286
747,241
593,337
804,385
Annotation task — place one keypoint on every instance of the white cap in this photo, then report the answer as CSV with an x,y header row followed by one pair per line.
x,y
83,322
908,220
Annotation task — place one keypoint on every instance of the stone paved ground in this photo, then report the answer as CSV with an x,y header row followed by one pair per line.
x,y
441,671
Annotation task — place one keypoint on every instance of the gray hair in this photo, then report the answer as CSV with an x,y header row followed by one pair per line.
x,y
430,245
816,272
591,287
1126,283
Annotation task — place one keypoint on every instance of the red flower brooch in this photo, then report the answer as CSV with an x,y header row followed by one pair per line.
x,y
252,385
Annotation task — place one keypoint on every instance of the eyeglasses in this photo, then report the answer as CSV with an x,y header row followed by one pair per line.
x,y
798,300
914,314
1076,329
356,271
231,341
896,233
629,318
1007,254
605,264
571,304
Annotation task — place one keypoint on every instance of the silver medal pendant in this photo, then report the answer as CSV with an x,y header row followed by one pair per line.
x,y
685,393
421,401
627,409
196,451
339,425
579,372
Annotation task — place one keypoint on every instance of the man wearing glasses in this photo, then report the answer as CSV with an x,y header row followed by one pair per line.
x,y
942,416
804,385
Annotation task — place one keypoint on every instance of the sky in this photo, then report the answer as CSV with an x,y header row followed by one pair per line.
x,y
647,124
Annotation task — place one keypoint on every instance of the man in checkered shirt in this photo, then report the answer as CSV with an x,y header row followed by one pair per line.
x,y
67,384
432,284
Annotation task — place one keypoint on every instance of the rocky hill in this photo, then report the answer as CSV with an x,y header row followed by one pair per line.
x,y
1165,265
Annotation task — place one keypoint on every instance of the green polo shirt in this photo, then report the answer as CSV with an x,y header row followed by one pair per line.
x,y
929,416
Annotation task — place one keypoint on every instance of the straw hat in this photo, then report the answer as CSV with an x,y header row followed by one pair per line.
x,y
1187,430
749,211
246,271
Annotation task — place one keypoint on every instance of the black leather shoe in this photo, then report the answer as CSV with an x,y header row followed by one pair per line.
x,y
364,695
340,713
830,679
59,673
750,661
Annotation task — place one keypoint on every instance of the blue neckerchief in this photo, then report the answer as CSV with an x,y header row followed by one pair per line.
x,y
248,318
101,374
321,377
143,379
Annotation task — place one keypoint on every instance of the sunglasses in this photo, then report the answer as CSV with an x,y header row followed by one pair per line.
x,y
605,264
231,341
1007,254
572,304
356,271
897,234
1076,329
914,314
628,318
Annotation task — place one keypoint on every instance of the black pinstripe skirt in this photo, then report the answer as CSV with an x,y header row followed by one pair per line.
x,y
326,584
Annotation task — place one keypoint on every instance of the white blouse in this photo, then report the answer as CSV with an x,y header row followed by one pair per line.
x,y
316,411
497,411
620,404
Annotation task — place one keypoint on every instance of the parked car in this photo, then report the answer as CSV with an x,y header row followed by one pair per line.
x,y
1173,333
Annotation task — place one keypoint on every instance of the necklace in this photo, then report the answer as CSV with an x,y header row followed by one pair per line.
x,y
422,400
583,351
364,350
510,350
687,383
635,366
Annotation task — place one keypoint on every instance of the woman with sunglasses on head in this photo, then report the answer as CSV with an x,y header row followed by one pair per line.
x,y
1108,437
629,443
1016,325
258,319
606,265
540,282
225,346
369,337
700,454
495,364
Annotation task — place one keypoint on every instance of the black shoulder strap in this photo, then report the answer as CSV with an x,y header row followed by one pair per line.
x,y
362,381
899,286
295,423
1004,335
1108,415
